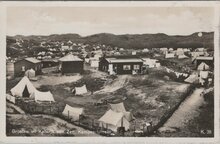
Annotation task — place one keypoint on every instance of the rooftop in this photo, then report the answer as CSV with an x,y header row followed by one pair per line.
x,y
32,60
121,60
70,57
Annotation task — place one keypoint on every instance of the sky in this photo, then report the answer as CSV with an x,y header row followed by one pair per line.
x,y
117,20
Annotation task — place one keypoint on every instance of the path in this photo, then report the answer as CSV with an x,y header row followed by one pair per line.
x,y
186,112
118,83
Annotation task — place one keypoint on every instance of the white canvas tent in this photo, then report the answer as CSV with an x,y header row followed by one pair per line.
x,y
42,96
94,63
182,56
119,107
30,73
204,74
23,85
80,90
203,66
112,120
192,78
72,112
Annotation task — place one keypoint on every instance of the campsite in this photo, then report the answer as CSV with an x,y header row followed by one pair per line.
x,y
147,98
88,87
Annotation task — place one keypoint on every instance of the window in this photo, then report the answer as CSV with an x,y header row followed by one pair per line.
x,y
23,68
126,67
136,67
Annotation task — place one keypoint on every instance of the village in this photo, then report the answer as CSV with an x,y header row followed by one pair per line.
x,y
102,90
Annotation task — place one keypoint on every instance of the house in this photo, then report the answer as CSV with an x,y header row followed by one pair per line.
x,y
22,65
50,62
70,64
121,65
169,55
163,50
204,59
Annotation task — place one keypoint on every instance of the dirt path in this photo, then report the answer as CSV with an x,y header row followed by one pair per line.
x,y
115,85
186,112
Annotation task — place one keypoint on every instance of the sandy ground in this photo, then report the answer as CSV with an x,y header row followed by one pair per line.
x,y
118,83
54,126
187,111
55,80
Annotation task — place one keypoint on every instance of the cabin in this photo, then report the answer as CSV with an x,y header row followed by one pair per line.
x,y
70,64
121,65
25,64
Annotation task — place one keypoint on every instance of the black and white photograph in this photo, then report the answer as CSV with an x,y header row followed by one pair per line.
x,y
110,71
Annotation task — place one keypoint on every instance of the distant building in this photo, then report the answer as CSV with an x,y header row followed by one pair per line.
x,y
21,66
163,50
169,55
50,62
121,65
71,64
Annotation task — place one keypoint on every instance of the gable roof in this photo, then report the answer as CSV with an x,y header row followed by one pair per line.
x,y
32,60
111,117
70,57
204,58
121,60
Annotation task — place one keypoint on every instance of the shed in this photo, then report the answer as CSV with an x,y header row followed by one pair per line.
x,y
71,64
22,65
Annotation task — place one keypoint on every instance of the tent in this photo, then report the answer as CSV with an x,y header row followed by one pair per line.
x,y
80,90
94,63
72,112
169,55
119,107
24,88
30,73
182,56
192,78
203,66
42,96
112,120
204,74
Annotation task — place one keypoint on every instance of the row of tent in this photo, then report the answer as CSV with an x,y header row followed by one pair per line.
x,y
115,117
178,74
26,89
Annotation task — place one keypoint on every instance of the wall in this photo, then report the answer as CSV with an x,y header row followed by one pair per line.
x,y
72,67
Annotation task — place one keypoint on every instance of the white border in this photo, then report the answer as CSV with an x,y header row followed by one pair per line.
x,y
3,137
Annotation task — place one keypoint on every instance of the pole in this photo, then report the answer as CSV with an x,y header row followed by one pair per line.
x,y
68,115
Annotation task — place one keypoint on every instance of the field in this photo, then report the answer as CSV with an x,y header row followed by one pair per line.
x,y
149,97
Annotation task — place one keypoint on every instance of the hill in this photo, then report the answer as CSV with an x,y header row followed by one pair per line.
x,y
127,41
